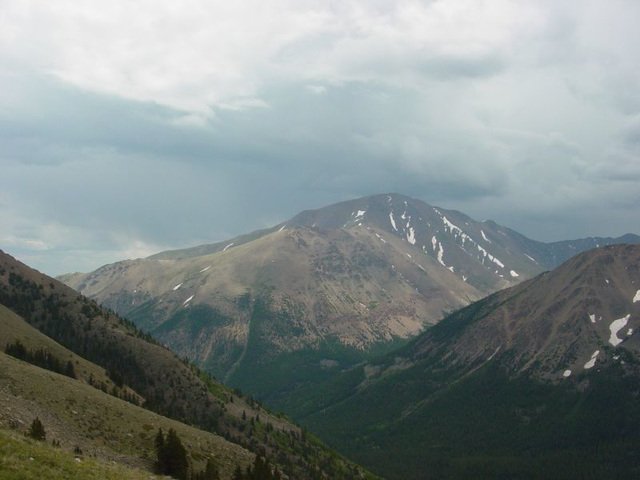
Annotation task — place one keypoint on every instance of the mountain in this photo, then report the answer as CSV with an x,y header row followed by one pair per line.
x,y
540,380
281,307
108,387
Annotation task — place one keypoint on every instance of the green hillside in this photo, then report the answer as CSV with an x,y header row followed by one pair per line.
x,y
142,372
25,459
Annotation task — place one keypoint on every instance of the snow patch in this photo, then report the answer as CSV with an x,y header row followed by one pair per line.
x,y
434,242
606,280
440,254
494,353
630,332
205,269
411,236
513,273
381,239
177,287
567,373
188,300
484,236
281,228
615,327
531,258
489,256
637,297
360,213
592,362
393,222
231,244
408,255
592,317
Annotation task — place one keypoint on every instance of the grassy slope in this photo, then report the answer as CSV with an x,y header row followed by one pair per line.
x,y
25,459
103,426
13,327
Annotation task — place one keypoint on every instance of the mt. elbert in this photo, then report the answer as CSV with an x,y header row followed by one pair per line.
x,y
321,291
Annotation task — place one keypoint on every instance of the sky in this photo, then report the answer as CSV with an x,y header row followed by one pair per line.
x,y
128,128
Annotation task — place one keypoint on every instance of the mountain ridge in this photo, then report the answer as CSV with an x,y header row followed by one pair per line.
x,y
337,283
536,381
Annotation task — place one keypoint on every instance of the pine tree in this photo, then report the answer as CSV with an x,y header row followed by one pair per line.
x,y
69,370
36,430
237,474
17,350
160,454
211,471
172,456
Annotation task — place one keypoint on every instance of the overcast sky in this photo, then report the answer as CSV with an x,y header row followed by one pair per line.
x,y
128,127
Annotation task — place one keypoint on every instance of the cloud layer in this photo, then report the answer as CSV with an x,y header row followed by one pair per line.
x,y
129,128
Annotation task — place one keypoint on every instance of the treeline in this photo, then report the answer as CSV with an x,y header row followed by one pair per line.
x,y
115,391
41,358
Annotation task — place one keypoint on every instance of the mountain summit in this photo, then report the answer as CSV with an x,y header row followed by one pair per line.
x,y
321,291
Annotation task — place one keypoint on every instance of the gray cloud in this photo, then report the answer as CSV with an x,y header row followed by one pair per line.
x,y
164,136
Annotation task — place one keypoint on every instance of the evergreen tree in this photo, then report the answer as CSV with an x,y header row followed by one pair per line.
x,y
17,350
36,430
211,471
160,452
172,456
69,370
237,474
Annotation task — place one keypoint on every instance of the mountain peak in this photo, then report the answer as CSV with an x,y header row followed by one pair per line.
x,y
564,322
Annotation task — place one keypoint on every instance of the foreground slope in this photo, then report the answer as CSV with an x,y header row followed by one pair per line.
x,y
276,309
537,381
101,426
26,459
151,373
